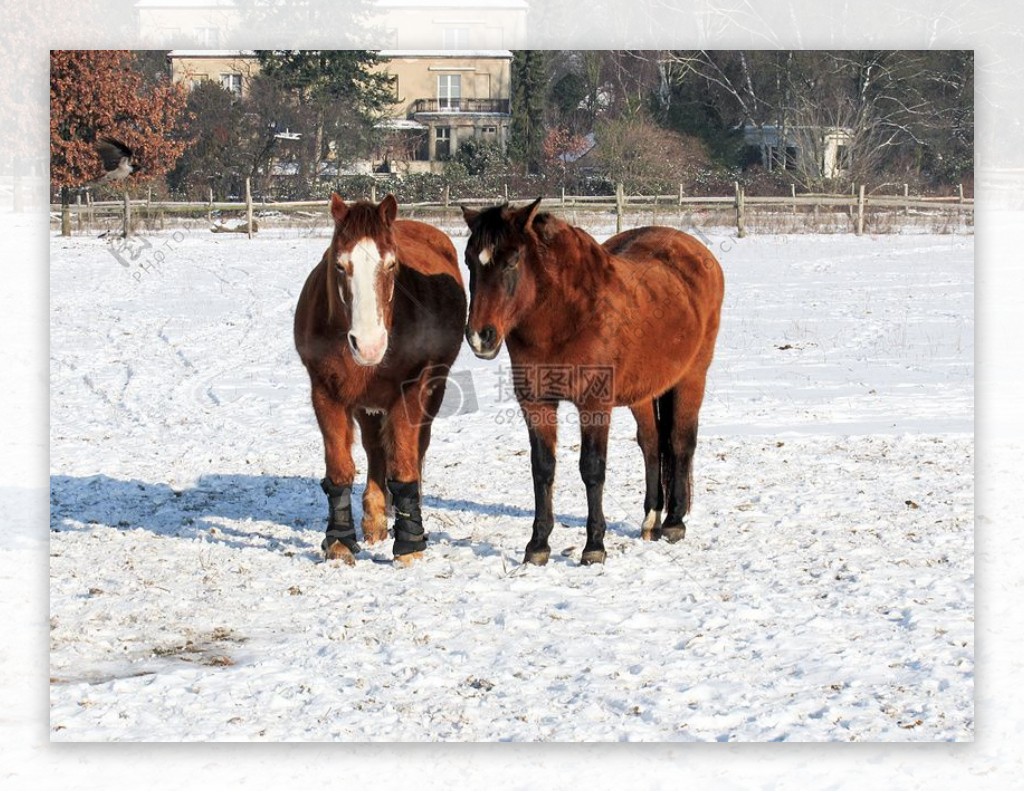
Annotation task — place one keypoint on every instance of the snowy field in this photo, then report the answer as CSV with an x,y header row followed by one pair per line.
x,y
825,590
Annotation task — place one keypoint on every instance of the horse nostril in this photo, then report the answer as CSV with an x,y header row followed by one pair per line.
x,y
353,342
488,336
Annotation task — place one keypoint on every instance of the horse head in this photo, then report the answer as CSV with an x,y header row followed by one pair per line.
x,y
361,275
500,242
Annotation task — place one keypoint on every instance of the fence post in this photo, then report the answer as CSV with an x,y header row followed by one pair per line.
x,y
78,211
248,207
506,192
373,192
680,194
127,216
741,224
209,208
792,192
860,211
620,198
906,197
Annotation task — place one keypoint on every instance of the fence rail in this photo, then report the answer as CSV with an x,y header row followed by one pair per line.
x,y
739,206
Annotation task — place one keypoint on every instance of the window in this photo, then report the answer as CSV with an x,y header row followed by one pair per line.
x,y
449,91
207,36
442,142
232,82
488,133
456,38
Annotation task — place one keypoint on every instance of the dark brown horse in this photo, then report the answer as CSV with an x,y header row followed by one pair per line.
x,y
378,324
631,322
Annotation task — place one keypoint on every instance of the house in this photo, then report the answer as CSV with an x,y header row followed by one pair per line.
x,y
444,97
451,61
231,69
823,150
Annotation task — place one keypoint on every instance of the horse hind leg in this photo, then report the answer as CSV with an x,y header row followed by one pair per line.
x,y
647,438
678,440
375,496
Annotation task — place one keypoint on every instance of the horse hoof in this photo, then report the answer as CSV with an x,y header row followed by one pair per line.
x,y
408,559
375,531
537,557
650,531
593,557
336,551
674,533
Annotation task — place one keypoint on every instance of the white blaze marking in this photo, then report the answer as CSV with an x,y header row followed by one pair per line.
x,y
485,256
367,317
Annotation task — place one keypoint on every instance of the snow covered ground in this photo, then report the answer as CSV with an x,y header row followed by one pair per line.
x,y
825,590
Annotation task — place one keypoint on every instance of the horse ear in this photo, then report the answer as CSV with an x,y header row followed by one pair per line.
x,y
338,208
388,209
525,215
469,215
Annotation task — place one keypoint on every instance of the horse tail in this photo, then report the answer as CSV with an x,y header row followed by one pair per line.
x,y
664,417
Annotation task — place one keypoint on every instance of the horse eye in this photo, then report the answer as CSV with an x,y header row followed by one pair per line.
x,y
512,261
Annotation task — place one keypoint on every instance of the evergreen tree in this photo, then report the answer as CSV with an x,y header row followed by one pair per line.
x,y
529,89
345,92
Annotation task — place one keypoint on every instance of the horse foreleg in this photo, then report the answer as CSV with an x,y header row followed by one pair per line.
x,y
375,517
335,421
405,420
541,422
647,439
594,425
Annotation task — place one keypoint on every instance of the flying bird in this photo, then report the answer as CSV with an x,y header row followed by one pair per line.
x,y
117,160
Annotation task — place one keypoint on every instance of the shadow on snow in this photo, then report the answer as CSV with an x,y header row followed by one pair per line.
x,y
215,505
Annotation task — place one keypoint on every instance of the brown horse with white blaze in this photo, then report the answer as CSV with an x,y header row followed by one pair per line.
x,y
631,323
378,324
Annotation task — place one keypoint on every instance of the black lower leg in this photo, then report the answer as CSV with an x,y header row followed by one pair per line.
x,y
681,485
409,535
593,447
340,527
542,464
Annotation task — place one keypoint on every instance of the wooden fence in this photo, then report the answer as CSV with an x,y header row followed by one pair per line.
x,y
681,210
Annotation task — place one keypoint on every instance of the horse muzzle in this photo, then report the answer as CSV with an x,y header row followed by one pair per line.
x,y
368,352
486,344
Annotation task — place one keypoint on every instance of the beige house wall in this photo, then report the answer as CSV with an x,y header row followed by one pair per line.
x,y
481,78
193,67
499,25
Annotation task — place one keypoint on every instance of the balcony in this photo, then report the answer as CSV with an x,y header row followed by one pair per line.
x,y
463,105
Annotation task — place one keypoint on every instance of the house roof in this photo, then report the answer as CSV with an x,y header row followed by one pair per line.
x,y
211,54
474,4
186,4
505,54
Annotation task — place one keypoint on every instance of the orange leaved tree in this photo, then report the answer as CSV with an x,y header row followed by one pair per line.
x,y
96,93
